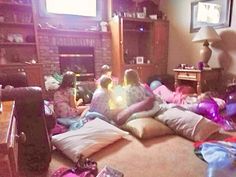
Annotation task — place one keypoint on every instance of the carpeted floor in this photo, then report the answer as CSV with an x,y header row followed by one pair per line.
x,y
58,160
167,156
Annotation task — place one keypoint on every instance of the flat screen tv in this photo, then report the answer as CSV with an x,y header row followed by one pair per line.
x,y
72,7
77,8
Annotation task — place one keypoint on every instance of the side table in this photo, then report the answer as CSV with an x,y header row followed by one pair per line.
x,y
200,77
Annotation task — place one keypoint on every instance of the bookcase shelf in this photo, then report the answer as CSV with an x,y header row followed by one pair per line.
x,y
14,44
18,42
16,24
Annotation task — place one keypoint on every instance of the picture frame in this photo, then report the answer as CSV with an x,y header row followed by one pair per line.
x,y
139,60
216,13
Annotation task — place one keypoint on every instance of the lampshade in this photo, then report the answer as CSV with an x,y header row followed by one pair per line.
x,y
206,34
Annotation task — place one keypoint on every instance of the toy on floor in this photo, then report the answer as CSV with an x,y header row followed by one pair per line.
x,y
210,109
231,105
85,167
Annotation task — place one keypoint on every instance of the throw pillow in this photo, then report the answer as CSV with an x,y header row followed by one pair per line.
x,y
148,127
87,140
144,105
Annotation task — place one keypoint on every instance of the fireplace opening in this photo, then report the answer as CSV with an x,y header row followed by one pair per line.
x,y
80,60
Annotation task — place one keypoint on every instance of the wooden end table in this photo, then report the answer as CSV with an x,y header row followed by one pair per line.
x,y
200,77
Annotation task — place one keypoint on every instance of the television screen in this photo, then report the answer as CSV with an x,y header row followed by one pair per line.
x,y
72,7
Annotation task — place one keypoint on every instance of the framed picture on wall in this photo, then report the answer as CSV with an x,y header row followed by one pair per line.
x,y
216,13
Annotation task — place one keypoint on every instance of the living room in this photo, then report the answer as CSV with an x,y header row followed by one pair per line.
x,y
158,42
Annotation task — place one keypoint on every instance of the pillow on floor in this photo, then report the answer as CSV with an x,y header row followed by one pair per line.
x,y
204,129
87,140
148,127
188,124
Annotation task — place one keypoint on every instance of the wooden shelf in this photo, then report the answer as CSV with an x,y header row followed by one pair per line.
x,y
72,31
136,31
12,4
143,20
75,55
15,24
12,64
144,64
17,44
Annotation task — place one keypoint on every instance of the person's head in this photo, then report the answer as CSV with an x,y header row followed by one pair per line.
x,y
106,70
69,79
131,77
105,82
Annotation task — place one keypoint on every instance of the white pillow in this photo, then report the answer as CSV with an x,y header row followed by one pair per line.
x,y
87,140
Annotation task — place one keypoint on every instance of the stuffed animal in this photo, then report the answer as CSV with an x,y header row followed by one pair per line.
x,y
210,109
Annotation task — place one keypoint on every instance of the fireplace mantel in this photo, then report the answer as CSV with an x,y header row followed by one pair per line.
x,y
71,31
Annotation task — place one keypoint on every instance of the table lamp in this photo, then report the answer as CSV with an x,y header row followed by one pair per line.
x,y
206,34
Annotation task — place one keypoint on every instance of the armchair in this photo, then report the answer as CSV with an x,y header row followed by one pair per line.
x,y
35,153
17,79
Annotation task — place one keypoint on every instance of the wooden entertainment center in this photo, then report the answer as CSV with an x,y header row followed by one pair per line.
x,y
138,42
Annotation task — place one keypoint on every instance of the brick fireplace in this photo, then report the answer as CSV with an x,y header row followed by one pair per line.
x,y
50,41
80,60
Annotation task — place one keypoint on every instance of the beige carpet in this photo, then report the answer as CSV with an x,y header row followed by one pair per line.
x,y
168,156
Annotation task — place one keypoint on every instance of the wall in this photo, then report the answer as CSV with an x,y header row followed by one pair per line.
x,y
183,50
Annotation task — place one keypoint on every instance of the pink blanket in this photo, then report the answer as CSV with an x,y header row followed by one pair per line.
x,y
169,96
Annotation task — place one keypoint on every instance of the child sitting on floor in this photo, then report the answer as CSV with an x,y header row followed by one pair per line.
x,y
103,101
65,103
106,71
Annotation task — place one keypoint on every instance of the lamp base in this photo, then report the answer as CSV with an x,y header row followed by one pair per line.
x,y
205,65
205,54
